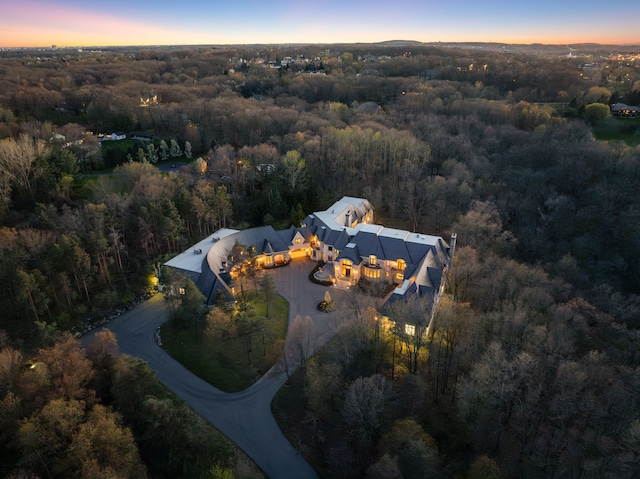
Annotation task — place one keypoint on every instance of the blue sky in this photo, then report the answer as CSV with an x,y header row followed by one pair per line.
x,y
145,22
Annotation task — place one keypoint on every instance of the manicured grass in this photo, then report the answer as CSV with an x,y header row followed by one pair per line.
x,y
115,152
229,365
619,129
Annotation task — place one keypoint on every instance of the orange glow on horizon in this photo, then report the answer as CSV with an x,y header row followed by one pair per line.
x,y
35,38
37,23
39,38
66,27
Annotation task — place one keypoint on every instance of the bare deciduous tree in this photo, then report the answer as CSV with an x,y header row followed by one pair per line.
x,y
364,407
19,168
301,341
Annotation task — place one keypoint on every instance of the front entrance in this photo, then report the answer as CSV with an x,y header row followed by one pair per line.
x,y
345,268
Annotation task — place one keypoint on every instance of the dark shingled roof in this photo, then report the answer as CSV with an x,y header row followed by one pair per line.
x,y
307,233
435,274
321,232
417,251
310,221
288,234
210,283
395,248
409,270
368,244
337,239
267,248
351,252
256,237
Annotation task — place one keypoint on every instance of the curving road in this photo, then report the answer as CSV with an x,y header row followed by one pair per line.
x,y
245,417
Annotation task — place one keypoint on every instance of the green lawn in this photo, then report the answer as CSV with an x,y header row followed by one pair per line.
x,y
619,129
229,365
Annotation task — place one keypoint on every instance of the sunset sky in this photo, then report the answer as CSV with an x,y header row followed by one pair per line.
x,y
27,23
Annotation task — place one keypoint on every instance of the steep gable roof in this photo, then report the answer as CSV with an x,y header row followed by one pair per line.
x,y
288,234
307,233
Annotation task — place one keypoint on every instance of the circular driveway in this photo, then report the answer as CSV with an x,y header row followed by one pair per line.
x,y
245,417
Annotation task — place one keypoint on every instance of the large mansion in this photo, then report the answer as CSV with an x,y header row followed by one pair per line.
x,y
343,237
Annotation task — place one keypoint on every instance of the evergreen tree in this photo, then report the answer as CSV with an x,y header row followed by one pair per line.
x,y
164,151
152,153
175,151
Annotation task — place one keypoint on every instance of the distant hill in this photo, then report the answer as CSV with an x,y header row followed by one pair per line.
x,y
399,43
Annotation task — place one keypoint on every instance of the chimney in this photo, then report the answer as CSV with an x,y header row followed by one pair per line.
x,y
452,247
348,225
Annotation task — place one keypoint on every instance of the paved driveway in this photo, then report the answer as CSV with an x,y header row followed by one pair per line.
x,y
244,417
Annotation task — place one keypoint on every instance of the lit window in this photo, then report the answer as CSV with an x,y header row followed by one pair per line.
x,y
372,273
409,329
372,260
401,265
298,241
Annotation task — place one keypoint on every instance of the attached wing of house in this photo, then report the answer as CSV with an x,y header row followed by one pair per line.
x,y
342,235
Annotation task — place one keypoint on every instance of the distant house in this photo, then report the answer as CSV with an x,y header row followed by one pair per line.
x,y
138,135
266,168
370,72
118,135
342,236
626,111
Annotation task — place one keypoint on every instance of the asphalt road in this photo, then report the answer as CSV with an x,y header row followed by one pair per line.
x,y
245,417
169,167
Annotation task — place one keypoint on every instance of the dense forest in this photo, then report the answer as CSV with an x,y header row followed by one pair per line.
x,y
530,368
